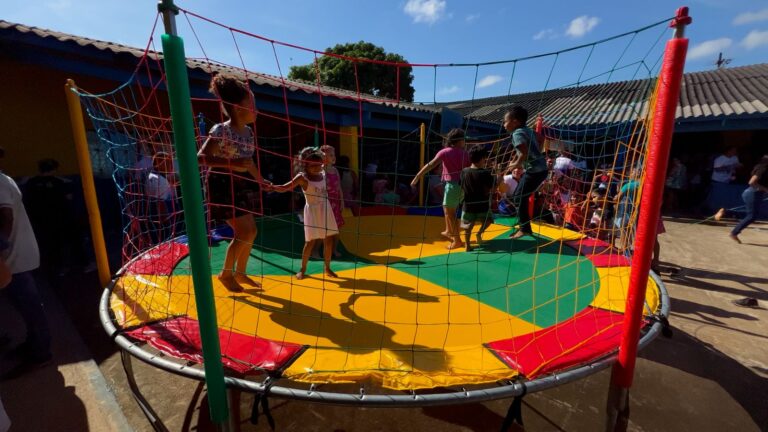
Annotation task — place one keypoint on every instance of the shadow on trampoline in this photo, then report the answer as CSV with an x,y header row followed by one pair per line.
x,y
688,354
505,244
382,288
356,334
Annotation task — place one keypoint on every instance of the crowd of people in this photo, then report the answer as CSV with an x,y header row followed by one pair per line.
x,y
519,179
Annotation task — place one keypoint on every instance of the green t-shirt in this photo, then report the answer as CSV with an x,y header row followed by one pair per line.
x,y
535,162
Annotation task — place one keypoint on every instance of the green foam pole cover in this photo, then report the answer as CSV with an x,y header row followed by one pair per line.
x,y
192,200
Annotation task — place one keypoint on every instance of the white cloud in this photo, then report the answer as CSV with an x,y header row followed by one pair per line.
x,y
754,39
750,17
581,26
545,34
448,90
59,5
709,48
472,18
426,11
489,80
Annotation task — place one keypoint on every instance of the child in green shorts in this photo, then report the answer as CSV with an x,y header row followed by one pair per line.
x,y
454,159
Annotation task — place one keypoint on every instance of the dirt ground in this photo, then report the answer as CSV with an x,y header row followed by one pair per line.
x,y
712,375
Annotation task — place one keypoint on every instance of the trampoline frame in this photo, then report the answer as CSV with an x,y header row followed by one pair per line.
x,y
269,387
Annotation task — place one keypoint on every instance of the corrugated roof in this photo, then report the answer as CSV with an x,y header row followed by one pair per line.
x,y
709,95
206,66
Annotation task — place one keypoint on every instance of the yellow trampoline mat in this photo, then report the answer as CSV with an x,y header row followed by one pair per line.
x,y
614,285
391,239
371,322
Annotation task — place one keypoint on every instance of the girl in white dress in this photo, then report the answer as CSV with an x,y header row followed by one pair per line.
x,y
319,222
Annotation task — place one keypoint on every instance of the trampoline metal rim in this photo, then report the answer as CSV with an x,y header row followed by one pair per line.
x,y
513,389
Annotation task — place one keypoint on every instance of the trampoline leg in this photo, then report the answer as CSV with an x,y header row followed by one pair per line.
x,y
146,408
233,396
617,409
514,414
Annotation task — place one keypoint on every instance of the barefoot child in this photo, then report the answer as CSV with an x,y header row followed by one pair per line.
x,y
335,194
528,156
232,192
319,222
454,159
477,184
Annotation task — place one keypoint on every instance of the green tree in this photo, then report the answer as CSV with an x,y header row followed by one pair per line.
x,y
373,78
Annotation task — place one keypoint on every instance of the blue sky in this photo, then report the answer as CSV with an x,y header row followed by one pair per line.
x,y
436,31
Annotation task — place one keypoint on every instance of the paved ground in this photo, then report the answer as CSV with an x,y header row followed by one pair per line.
x,y
711,376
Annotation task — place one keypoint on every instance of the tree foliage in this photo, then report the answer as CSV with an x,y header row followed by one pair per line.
x,y
372,78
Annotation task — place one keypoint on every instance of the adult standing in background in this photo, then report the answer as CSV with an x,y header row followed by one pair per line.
x,y
5,279
20,252
47,194
723,172
676,184
724,167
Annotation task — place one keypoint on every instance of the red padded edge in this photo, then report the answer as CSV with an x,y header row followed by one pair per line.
x,y
588,335
160,260
609,260
180,337
601,253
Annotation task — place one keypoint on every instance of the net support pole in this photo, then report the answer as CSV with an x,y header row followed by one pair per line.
x,y
192,200
422,153
662,127
89,186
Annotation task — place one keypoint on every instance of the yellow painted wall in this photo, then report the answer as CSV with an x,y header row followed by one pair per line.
x,y
34,119
348,145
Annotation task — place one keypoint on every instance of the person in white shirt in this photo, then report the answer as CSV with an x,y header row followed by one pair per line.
x,y
723,173
511,179
5,279
160,188
725,166
563,164
20,252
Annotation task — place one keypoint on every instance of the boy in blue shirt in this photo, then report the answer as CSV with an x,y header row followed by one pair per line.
x,y
528,156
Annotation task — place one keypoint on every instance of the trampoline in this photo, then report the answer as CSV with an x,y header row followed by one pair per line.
x,y
406,322
404,314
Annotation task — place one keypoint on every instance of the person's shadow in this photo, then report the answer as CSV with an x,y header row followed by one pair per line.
x,y
41,401
355,334
751,286
688,354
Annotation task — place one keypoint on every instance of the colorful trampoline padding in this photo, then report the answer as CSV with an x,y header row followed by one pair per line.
x,y
160,260
404,311
588,335
180,337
